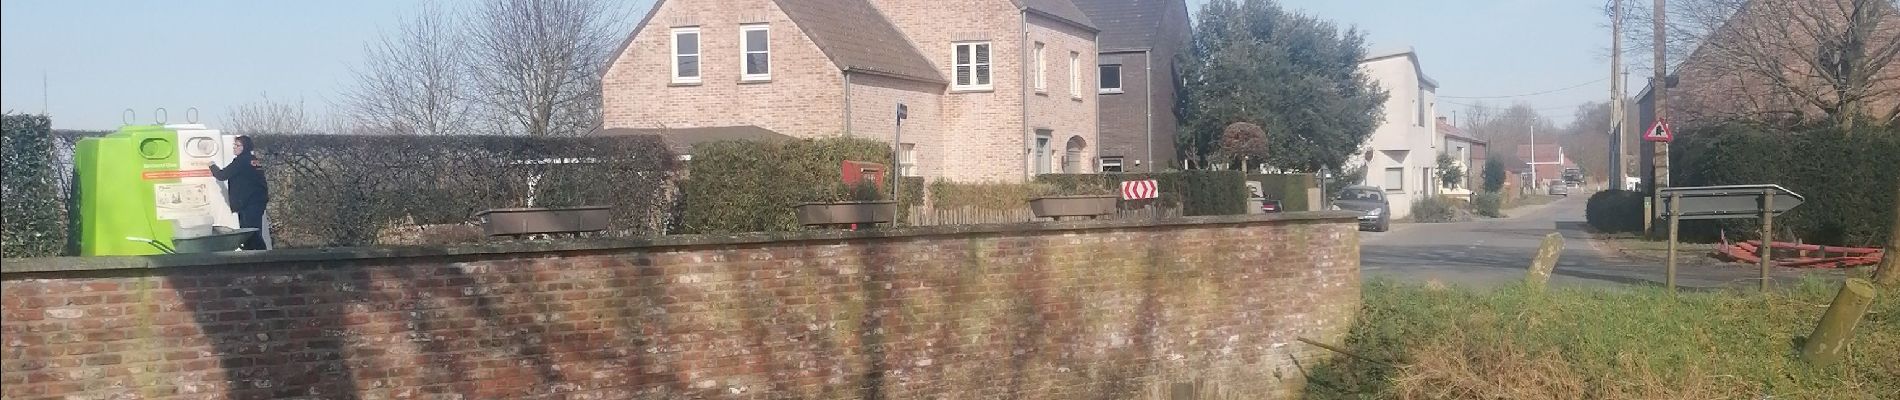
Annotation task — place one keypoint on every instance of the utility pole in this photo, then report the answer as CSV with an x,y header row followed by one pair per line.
x,y
1616,94
1534,181
1659,87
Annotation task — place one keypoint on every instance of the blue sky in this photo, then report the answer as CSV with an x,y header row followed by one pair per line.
x,y
100,57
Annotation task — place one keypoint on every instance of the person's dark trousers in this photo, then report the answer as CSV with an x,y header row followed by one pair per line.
x,y
252,217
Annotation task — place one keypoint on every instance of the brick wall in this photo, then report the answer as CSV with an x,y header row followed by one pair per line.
x,y
1063,310
873,105
1124,116
1070,120
805,97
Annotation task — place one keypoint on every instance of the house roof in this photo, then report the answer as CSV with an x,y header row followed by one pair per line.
x,y
1546,153
850,32
682,140
1452,132
1064,10
1127,24
858,38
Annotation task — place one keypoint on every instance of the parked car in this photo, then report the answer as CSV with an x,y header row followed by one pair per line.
x,y
1370,201
1559,190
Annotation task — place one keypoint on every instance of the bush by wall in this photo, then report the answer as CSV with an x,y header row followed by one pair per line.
x,y
751,186
1434,209
334,190
1196,192
1615,211
984,196
1489,204
34,219
1848,178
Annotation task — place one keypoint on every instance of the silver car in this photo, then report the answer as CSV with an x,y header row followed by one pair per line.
x,y
1376,214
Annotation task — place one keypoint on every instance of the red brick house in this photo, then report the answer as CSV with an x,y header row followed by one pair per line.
x,y
996,90
1140,77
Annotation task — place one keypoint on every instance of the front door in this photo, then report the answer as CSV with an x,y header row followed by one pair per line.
x,y
1043,152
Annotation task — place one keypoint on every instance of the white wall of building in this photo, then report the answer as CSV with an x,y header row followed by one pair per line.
x,y
1402,153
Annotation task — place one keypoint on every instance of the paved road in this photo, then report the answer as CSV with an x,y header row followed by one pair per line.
x,y
1488,252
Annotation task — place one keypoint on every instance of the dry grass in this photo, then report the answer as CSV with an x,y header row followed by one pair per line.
x,y
1606,344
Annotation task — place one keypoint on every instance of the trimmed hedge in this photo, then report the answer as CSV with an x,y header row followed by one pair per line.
x,y
985,196
1196,192
332,190
1289,189
1436,209
1489,204
33,221
751,186
1615,211
1848,178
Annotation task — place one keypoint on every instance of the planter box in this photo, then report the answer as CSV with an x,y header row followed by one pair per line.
x,y
857,212
531,221
1073,206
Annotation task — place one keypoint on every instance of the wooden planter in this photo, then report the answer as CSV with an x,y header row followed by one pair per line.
x,y
846,213
532,221
1060,207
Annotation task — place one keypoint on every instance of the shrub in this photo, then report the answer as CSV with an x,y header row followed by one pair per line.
x,y
1614,211
33,210
750,186
1436,209
1848,177
983,196
1489,204
1494,175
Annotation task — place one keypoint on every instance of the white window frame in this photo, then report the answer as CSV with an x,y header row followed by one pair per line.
x,y
746,43
974,83
1118,79
1115,162
907,160
1389,179
1075,75
1042,69
699,61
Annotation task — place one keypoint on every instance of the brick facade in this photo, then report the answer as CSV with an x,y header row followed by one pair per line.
x,y
982,135
1140,124
805,97
1072,310
1069,120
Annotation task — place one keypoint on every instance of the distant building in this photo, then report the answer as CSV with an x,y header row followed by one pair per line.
x,y
1467,153
1545,164
1402,153
1140,70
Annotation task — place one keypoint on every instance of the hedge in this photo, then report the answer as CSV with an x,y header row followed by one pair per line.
x,y
751,186
985,196
1289,189
1848,178
333,190
1196,192
1615,211
33,221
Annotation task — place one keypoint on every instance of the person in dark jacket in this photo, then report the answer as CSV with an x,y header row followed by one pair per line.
x,y
246,191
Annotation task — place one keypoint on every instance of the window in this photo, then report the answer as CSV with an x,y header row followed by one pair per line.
x,y
755,53
1421,106
1111,164
1395,178
907,160
686,55
972,65
1111,79
1075,75
1042,71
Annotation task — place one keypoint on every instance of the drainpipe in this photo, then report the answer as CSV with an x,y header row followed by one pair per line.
x,y
1148,70
847,103
1022,66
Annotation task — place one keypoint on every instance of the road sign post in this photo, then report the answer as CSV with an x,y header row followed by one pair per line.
x,y
1727,202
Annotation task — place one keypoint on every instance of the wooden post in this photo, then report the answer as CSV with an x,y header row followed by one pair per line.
x,y
1675,212
1546,261
1767,234
1829,341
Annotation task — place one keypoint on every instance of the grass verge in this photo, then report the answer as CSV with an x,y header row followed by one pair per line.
x,y
1636,343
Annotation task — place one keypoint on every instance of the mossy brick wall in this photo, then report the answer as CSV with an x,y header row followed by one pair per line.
x,y
1046,311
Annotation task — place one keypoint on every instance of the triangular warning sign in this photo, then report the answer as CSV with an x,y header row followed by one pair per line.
x,y
1658,132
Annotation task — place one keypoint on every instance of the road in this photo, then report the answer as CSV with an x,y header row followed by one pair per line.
x,y
1489,252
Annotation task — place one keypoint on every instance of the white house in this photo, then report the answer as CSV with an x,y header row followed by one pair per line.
x,y
1403,151
1467,153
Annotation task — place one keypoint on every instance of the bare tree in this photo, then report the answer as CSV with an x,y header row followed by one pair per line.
x,y
1787,58
412,80
536,63
265,116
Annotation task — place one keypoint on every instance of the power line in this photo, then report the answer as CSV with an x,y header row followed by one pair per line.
x,y
1527,94
1492,107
